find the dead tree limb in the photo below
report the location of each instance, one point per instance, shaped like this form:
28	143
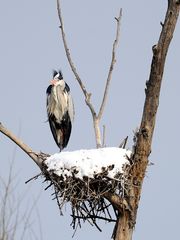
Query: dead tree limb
96	117
73	68
34	156
142	148
113	61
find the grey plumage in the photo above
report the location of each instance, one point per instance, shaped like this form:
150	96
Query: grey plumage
60	109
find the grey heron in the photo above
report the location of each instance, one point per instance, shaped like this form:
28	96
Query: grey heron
60	109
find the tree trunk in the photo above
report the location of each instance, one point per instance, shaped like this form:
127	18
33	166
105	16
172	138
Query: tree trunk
142	148
123	231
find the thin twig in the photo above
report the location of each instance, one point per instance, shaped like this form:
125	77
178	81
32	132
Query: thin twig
123	143
98	217
33	178
73	68
113	61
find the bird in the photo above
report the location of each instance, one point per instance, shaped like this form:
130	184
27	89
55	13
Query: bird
60	109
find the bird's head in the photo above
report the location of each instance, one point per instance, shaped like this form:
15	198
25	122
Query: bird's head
58	79
57	75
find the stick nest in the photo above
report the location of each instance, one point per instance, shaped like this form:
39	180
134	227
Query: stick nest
86	196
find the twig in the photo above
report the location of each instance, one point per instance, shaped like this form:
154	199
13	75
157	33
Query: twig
51	184
33	178
113	61
123	143
92	217
75	229
73	68
22	145
97	217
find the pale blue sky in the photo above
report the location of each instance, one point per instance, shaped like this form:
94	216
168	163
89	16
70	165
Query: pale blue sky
31	47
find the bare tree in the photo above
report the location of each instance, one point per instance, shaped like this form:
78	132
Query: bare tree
125	207
15	222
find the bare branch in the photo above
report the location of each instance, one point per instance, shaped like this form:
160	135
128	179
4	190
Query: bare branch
119	203
104	136
113	61
22	145
13	221
33	178
97	131
123	143
96	217
73	68
96	118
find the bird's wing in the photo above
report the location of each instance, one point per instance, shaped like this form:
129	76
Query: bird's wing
71	111
56	131
66	129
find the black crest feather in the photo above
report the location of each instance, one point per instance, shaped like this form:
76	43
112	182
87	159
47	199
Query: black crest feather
60	74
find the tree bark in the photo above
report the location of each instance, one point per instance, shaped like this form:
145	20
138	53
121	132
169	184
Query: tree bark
142	148
123	231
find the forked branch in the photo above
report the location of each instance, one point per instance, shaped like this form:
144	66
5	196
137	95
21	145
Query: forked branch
96	117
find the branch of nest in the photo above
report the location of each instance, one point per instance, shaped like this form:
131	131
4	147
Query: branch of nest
91	199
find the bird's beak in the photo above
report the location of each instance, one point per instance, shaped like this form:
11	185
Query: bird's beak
53	82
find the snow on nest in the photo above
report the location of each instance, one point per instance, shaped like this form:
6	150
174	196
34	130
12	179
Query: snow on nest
86	163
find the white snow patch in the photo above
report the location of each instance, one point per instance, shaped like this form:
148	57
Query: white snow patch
88	162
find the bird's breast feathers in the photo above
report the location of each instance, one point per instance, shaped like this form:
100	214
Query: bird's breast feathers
58	103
